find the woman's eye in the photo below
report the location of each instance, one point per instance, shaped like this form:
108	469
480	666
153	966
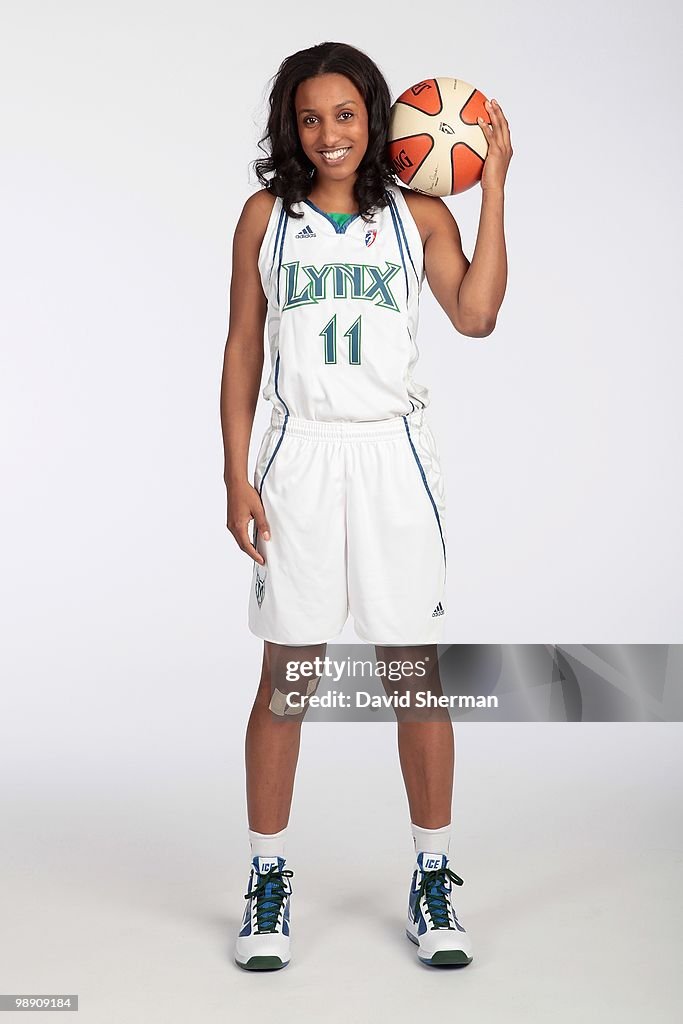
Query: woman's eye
345	114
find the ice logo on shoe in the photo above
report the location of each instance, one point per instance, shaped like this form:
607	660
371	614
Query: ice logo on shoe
265	864
260	582
432	862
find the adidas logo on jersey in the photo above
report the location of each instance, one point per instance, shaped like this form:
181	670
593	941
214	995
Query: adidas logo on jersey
439	610
306	232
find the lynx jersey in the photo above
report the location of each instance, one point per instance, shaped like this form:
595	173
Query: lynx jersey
343	312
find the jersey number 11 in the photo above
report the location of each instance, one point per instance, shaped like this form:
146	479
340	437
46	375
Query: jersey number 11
329	333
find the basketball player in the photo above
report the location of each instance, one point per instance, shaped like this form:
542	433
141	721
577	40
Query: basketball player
348	498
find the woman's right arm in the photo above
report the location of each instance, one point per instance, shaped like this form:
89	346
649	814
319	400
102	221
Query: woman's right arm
242	370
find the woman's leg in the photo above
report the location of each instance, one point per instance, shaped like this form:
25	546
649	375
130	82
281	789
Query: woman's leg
426	752
426	745
273	740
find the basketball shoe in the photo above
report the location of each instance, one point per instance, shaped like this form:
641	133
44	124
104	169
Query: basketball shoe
432	922
263	941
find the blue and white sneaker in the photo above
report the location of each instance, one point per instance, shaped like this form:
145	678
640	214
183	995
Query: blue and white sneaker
263	941
432	922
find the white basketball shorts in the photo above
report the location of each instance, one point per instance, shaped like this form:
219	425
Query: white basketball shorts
357	524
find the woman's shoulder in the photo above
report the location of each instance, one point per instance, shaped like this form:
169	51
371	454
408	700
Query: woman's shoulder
252	225
253	221
425	210
258	208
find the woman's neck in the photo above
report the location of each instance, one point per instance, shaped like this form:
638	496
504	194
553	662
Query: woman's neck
333	200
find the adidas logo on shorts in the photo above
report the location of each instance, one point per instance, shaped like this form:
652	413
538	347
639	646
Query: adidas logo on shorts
306	232
438	610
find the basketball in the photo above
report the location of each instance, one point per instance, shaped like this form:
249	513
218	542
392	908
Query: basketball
435	144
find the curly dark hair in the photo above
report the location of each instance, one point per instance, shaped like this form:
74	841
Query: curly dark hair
291	169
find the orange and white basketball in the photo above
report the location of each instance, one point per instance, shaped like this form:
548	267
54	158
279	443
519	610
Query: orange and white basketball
436	145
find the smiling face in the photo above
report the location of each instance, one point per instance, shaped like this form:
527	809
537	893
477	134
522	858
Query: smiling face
332	118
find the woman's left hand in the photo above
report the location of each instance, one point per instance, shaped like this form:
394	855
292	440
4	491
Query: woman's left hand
500	149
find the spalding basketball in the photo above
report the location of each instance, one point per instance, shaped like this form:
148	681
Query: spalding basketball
436	145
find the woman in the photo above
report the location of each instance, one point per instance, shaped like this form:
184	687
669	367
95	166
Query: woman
348	502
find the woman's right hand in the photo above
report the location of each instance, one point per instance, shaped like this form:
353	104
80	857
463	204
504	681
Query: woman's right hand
244	504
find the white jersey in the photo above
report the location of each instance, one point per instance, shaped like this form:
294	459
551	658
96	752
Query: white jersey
343	312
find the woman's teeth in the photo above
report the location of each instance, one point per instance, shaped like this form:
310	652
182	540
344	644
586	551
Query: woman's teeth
336	154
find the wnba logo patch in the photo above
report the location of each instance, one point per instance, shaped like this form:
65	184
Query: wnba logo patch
260	582
370	236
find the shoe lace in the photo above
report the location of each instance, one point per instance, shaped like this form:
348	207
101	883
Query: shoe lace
269	892
437	895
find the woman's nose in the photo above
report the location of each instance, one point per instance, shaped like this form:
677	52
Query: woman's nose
329	136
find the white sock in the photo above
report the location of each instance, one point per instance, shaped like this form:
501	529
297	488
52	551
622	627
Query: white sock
268	845
431	840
